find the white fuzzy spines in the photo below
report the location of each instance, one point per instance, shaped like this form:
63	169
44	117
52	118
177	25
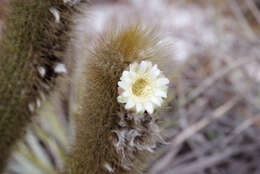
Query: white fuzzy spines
137	134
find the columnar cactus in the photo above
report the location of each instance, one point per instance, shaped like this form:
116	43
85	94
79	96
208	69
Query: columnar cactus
113	136
34	38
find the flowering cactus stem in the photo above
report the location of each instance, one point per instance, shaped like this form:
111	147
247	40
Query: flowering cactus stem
110	137
34	37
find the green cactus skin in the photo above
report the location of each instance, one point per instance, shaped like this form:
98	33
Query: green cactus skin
32	44
98	115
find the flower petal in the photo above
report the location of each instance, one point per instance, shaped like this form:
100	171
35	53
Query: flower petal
143	67
156	100
132	75
126	78
125	74
160	93
149	107
149	64
162	81
130	104
155	71
123	84
121	99
133	67
126	93
139	108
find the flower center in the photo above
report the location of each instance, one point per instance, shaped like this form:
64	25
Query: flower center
140	87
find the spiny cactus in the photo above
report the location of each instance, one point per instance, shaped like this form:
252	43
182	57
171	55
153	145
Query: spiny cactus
31	51
110	139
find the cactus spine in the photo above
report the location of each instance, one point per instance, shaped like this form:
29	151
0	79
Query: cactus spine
35	36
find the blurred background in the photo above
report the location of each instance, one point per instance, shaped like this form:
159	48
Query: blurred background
212	122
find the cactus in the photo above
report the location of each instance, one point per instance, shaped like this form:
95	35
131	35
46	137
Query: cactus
31	49
108	138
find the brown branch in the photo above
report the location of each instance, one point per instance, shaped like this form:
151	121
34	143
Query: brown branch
215	77
251	5
190	131
205	162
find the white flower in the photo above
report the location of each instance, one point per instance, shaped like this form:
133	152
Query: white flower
142	88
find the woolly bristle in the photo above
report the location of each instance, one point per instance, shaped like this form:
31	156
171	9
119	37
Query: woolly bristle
32	45
137	137
104	142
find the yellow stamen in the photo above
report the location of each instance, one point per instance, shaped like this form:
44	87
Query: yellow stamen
138	87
